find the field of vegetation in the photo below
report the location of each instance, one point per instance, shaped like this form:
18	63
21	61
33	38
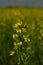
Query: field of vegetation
21	36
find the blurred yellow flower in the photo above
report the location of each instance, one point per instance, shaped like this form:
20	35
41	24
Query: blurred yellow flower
19	43
41	31
25	38
14	43
24	29
19	23
15	35
28	39
16	25
18	30
11	53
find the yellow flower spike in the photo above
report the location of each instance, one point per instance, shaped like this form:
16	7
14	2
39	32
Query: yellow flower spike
11	53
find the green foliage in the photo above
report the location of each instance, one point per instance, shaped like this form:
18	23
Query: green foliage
21	40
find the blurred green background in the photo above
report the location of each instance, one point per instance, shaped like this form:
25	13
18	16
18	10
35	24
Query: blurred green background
29	53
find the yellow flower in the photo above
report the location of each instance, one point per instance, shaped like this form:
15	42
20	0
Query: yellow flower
24	29
19	23
19	43
15	47
42	34
18	30
25	38
41	31
15	43
28	39
15	35
11	53
16	25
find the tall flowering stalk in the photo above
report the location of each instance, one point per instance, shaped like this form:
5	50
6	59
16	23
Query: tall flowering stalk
21	42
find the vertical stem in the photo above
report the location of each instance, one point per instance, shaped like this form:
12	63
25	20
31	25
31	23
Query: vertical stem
19	56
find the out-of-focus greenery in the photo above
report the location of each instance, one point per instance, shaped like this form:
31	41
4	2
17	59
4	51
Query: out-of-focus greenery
21	36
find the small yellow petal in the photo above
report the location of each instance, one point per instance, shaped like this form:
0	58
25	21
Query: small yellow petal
11	53
28	39
15	43
19	43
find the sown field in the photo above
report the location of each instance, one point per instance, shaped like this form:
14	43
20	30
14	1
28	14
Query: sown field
21	36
